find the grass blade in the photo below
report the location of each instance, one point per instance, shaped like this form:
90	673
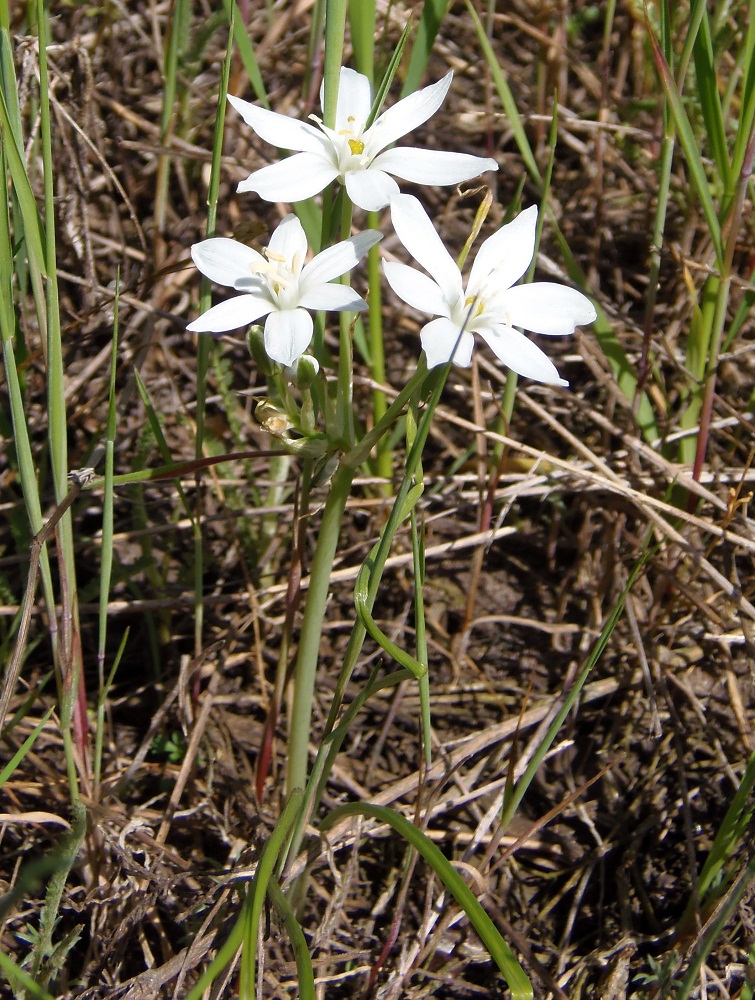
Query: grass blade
500	952
689	143
433	12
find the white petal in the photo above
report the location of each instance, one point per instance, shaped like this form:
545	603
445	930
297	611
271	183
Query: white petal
287	335
280	130
442	340
337	260
406	115
431	166
370	189
417	233
231	314
289	242
354	100
547	307
225	261
521	355
416	289
508	253
293	179
332	298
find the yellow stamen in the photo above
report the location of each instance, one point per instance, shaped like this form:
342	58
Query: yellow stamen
356	146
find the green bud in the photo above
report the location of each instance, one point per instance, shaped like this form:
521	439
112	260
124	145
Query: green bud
303	371
255	342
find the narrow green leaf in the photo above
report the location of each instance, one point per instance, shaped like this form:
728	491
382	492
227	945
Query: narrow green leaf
246	51
689	144
433	13
706	82
362	24
512	801
500	952
17	977
305	979
262	879
506	97
25	747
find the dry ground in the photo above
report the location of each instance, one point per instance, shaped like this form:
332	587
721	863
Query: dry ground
590	883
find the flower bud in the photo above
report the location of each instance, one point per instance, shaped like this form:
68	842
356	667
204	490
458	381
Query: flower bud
255	342
303	371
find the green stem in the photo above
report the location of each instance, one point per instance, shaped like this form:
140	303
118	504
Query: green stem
345	396
377	351
335	30
311	630
70	660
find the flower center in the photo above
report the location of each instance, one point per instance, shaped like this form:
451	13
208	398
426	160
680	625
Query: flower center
351	154
282	277
470	301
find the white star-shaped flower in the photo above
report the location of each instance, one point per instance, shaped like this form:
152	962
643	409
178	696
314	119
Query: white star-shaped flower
489	305
356	155
280	285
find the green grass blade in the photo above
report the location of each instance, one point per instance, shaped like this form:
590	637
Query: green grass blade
716	930
500	952
73	723
175	46
362	24
205	344
433	12
260	886
730	837
19	979
710	99
689	143
420	631
513	800
507	98
305	979
25	747
335	31
747	114
362	588
106	562
30	219
246	51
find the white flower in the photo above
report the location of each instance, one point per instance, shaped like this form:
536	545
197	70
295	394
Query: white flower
279	285
489	305
356	155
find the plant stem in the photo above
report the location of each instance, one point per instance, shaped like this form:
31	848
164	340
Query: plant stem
311	631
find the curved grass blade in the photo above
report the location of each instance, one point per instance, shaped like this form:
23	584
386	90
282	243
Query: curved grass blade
256	898
498	949
305	974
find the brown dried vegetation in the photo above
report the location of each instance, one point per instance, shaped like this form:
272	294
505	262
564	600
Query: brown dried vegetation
590	882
